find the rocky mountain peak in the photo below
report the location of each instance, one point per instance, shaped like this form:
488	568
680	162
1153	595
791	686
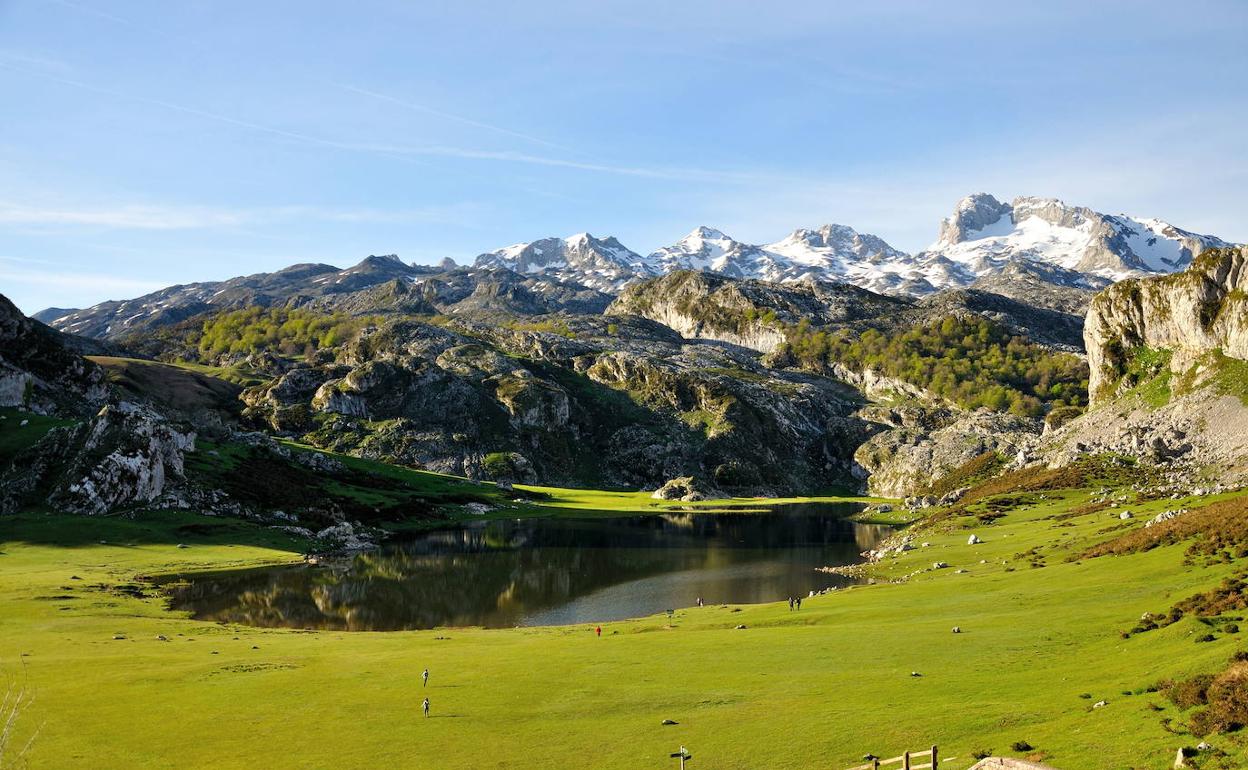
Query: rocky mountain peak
385	262
842	240
972	214
983	235
599	263
704	233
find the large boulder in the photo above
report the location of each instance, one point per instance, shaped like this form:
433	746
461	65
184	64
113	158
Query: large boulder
686	489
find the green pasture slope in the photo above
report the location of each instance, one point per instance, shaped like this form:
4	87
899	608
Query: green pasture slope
81	631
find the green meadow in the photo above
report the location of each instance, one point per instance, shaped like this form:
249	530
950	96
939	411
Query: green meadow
120	681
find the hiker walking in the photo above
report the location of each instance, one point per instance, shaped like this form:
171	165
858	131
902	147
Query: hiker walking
790	604
424	678
799	602
425	707
598	630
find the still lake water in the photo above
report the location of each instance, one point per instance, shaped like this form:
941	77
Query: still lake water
535	572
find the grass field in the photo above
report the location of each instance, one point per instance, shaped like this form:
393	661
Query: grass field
815	688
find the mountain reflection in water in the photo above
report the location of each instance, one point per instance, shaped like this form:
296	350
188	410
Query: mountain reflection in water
546	572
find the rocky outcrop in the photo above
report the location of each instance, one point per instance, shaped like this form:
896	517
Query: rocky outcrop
686	489
1198	433
1166	386
752	314
616	400
39	373
972	214
126	455
1191	313
920	444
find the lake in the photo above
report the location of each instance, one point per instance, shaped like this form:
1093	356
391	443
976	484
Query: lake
532	572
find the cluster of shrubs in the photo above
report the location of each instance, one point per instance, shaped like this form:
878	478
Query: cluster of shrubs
279	330
1218	533
970	361
1222	699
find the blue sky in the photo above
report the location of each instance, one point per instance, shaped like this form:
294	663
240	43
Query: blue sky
151	143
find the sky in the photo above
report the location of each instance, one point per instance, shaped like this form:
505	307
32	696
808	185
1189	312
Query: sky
148	143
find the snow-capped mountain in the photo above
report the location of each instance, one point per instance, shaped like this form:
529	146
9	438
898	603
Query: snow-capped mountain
599	263
1020	249
828	253
980	239
705	249
984	234
840	253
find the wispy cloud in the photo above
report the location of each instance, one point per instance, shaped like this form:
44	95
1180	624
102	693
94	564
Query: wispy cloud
414	152
37	60
94	12
451	116
672	173
168	217
127	217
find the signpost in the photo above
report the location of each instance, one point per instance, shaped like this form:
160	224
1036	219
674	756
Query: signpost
683	755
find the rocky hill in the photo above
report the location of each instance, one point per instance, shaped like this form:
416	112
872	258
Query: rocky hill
749	313
571	400
375	285
1189	314
1169	379
510	372
40	372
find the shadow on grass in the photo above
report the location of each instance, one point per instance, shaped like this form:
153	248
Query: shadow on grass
140	528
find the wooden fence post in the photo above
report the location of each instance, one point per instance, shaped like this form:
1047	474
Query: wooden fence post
905	761
934	765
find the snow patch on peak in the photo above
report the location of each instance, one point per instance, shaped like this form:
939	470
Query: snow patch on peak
704	233
604	264
984	234
975	213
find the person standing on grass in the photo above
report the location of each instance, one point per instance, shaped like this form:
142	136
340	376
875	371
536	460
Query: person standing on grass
425	707
799	602
424	678
598	630
790	604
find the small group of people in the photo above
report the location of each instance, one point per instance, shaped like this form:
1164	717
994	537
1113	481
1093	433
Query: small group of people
795	603
424	682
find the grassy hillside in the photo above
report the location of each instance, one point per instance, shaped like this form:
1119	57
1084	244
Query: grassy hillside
1042	641
176	388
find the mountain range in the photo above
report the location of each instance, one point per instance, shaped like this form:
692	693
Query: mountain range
980	238
1038	246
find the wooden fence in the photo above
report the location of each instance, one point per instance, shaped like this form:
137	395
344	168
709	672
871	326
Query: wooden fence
906	761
